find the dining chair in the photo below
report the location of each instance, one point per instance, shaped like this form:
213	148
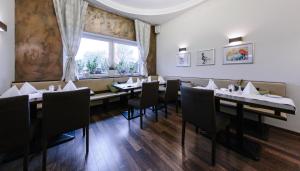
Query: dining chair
149	98
15	129
170	95
198	108
64	112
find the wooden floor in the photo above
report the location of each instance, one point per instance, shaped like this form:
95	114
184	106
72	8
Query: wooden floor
116	144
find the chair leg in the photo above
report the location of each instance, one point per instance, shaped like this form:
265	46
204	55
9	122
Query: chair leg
83	131
213	151
145	111
141	119
25	159
87	139
156	113
166	110
129	112
44	165
177	106
183	133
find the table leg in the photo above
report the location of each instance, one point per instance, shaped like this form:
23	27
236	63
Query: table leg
238	142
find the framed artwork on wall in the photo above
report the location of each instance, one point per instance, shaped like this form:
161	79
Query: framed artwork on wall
183	59
205	57
239	54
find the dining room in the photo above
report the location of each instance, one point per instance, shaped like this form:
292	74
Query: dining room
149	85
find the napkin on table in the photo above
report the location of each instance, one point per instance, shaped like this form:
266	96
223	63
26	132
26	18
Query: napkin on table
138	81
11	92
250	90
27	89
211	85
149	78
70	86
129	81
161	79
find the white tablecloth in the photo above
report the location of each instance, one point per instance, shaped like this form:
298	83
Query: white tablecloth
279	100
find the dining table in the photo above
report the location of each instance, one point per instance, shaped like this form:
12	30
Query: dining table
130	88
239	143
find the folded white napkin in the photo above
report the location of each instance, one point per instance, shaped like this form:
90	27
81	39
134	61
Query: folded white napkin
138	81
149	78
250	90
211	85
161	79
11	92
70	86
130	80
27	89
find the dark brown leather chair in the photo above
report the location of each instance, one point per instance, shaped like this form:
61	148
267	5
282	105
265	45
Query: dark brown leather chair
64	112
198	108
170	95
15	125
149	98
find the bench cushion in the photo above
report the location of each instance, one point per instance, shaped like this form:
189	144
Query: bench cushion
42	84
96	85
106	95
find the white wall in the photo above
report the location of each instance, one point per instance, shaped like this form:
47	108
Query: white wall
273	25
7	44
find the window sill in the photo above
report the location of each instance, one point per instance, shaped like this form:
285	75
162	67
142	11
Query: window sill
103	76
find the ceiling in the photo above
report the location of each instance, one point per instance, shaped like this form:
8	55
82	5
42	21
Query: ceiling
152	11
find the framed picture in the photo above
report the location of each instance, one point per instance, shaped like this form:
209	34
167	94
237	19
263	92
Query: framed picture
206	57
239	54
183	59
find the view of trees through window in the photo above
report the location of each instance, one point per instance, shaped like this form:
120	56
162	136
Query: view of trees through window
96	57
126	58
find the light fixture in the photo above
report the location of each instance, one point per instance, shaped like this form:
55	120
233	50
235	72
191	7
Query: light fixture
3	26
236	39
182	49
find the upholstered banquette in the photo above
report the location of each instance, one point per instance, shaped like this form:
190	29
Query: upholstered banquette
98	86
102	92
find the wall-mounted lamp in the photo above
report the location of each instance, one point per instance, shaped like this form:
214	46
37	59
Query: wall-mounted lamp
235	40
3	26
182	49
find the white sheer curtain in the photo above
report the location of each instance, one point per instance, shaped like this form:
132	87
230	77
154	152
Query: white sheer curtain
70	15
143	39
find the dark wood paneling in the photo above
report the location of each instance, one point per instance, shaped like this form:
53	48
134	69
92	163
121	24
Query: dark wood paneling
151	61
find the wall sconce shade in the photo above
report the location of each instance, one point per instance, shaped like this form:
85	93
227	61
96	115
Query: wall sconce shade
182	49
237	39
3	26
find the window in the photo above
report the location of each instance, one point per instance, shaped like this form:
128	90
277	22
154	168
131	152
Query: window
97	54
126	58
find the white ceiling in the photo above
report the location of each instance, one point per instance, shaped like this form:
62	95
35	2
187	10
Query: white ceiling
150	4
152	11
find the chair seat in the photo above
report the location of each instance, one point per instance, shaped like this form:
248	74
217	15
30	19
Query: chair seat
102	96
135	103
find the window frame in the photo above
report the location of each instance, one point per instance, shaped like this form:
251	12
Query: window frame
111	40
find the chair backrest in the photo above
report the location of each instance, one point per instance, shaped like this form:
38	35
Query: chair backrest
172	90
65	111
198	108
14	122
149	94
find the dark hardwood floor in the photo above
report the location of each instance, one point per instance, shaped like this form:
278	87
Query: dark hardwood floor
116	144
